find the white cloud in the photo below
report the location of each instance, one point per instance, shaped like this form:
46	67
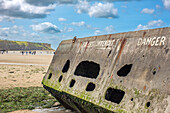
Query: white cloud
82	23
103	10
31	9
124	6
70	29
158	6
66	29
16	33
35	35
110	29
45	27
62	19
40	2
91	27
14	30
151	24
113	0
155	23
166	4
4	32
21	9
48	2
98	10
147	11
66	1
97	32
6	18
82	6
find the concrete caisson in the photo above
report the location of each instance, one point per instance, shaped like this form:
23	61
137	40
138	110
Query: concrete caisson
123	73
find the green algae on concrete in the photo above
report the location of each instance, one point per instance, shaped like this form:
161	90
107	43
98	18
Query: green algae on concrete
24	98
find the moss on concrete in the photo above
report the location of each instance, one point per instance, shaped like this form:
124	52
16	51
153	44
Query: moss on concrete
24	98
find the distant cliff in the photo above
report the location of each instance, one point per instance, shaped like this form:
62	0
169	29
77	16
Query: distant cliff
22	45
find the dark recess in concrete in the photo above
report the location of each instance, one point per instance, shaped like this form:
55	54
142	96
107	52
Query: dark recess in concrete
72	83
66	66
90	87
87	69
109	53
154	71
114	95
50	75
148	104
60	78
124	71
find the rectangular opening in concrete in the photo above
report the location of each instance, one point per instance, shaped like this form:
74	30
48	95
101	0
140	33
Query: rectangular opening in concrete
90	87
114	95
87	69
124	71
60	78
66	66
72	83
50	75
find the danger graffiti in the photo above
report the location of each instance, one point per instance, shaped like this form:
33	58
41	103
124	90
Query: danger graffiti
155	41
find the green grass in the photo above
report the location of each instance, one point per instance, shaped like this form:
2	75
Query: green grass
21	43
28	44
24	98
42	46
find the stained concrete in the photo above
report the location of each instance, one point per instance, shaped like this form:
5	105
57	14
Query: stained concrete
131	71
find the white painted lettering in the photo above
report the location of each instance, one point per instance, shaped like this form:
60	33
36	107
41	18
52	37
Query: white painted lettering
157	40
99	43
153	41
162	42
149	40
139	42
144	40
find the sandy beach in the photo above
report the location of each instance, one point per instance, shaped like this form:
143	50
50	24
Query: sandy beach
23	111
26	59
21	75
23	71
18	75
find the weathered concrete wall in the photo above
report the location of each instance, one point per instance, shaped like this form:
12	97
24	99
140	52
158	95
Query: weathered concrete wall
123	72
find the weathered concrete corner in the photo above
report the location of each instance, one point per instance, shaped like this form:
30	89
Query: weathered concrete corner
122	73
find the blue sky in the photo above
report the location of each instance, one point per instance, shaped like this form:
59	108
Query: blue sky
51	21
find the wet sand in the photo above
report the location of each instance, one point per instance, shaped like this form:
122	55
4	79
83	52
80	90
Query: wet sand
48	110
23	111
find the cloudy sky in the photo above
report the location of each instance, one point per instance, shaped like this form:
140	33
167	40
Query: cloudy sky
51	21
